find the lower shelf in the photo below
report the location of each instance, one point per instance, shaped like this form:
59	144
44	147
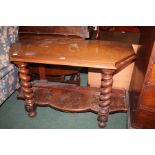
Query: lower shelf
76	99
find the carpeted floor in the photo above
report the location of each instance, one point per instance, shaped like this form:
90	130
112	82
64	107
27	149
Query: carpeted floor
13	116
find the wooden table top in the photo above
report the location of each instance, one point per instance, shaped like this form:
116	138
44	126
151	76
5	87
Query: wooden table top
72	52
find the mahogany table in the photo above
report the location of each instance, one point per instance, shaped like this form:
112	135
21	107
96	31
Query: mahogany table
110	57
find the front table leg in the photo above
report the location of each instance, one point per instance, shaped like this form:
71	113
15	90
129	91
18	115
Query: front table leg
27	90
105	97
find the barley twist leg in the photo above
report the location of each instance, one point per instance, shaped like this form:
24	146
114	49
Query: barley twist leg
27	90
105	97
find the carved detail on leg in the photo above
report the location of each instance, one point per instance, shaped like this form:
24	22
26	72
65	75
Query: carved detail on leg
27	89
105	97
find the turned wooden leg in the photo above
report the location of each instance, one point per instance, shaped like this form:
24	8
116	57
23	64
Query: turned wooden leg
105	97
26	88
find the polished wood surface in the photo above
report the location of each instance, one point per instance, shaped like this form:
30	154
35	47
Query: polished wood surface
152	77
144	119
87	53
148	98
142	90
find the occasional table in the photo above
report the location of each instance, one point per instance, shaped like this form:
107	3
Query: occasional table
109	57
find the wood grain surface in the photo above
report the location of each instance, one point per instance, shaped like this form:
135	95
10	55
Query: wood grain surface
87	53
